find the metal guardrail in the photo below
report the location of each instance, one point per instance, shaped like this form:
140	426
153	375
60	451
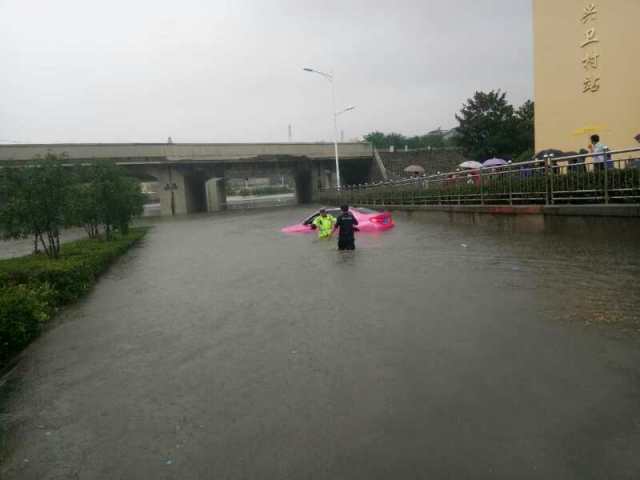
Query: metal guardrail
611	177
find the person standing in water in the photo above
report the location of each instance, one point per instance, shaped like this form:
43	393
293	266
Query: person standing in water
324	224
347	224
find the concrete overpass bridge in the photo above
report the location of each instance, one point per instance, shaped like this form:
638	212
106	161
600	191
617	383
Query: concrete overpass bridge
192	175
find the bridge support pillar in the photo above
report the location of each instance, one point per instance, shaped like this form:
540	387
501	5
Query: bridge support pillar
216	194
304	183
172	191
181	192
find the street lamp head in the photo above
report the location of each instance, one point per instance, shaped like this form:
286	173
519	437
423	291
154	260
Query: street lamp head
348	109
328	76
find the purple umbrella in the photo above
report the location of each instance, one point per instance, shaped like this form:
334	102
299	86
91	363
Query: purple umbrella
494	162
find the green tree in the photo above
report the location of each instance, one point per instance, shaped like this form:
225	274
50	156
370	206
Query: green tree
525	116
377	139
35	202
384	141
85	202
113	198
131	203
488	126
43	197
430	140
397	140
104	196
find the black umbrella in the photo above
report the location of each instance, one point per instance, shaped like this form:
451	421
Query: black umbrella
542	153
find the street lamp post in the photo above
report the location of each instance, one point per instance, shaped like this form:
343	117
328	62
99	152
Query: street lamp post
329	77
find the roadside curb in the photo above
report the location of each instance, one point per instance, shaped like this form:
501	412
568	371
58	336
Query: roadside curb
551	210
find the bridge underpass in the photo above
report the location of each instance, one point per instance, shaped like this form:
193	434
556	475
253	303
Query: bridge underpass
192	177
192	188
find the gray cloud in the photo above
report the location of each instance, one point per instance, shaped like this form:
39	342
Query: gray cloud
143	70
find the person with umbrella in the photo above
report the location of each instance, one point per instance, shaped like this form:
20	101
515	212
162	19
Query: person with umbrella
473	169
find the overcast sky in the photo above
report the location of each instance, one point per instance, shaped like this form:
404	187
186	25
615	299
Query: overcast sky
231	71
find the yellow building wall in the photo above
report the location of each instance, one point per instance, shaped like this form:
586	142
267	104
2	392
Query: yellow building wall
567	112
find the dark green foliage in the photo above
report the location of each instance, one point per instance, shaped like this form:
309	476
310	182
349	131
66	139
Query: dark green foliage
32	287
525	134
377	139
36	203
105	196
491	127
42	198
85	204
74	272
525	156
23	310
398	141
487	126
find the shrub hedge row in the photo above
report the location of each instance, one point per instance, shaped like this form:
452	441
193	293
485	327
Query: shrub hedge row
34	286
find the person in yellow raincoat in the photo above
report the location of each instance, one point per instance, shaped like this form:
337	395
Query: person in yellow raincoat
324	224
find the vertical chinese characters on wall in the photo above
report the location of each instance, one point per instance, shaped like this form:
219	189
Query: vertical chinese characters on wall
590	49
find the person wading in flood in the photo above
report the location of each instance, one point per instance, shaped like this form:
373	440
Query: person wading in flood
347	224
324	224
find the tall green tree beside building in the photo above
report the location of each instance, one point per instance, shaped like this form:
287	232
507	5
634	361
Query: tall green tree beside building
491	127
525	116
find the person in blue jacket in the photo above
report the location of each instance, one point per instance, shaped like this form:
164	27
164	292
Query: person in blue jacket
348	225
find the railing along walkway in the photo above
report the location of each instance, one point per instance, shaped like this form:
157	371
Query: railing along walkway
612	177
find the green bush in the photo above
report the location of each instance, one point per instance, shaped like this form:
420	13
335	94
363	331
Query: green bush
74	272
69	278
32	287
23	310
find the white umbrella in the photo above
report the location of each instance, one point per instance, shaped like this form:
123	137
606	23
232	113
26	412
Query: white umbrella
414	169
470	164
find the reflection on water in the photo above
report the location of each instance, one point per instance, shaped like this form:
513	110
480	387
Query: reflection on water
231	350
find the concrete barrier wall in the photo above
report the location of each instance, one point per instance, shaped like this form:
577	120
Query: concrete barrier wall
435	160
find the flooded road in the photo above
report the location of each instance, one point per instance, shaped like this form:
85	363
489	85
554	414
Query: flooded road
222	349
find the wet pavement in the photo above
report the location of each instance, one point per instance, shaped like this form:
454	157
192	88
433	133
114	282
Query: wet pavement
222	349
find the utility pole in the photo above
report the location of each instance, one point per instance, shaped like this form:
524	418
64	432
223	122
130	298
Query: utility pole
329	77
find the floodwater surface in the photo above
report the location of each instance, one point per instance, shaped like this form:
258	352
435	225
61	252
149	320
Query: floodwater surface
221	348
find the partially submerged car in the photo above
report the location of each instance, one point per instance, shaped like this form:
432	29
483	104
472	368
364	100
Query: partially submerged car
369	221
